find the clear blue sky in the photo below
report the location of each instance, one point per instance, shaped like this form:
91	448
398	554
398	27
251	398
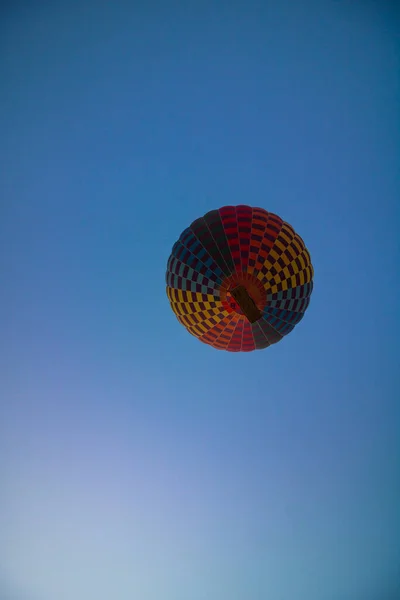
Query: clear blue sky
136	462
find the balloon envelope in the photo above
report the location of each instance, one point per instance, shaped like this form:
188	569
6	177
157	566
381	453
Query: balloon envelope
239	278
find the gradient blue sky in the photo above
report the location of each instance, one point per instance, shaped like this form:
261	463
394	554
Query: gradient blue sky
136	462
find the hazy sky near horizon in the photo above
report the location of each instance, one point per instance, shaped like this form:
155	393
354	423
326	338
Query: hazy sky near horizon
136	462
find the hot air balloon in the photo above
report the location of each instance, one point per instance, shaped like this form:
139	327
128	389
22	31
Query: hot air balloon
239	278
